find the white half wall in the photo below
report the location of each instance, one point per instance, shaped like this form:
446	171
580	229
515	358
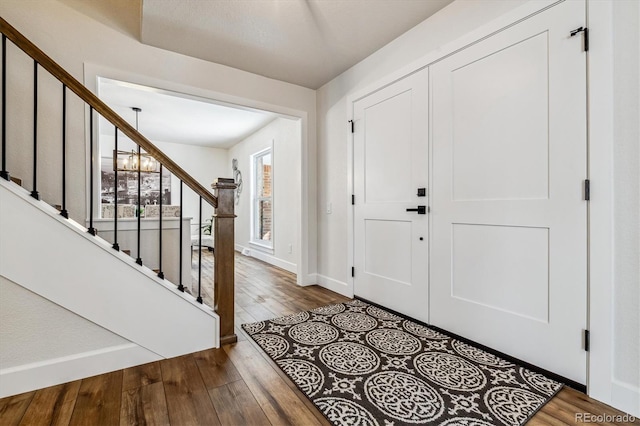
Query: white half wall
284	135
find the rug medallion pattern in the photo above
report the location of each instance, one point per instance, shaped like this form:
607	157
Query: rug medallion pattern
362	365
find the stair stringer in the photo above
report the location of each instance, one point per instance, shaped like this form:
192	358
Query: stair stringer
57	259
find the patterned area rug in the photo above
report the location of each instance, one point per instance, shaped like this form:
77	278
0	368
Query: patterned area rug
361	365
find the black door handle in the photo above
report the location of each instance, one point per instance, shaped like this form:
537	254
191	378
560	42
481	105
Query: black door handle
420	210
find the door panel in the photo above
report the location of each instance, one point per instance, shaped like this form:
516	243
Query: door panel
390	164
509	161
388	236
508	264
386	122
502	267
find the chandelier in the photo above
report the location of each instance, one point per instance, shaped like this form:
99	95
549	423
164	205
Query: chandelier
131	161
125	161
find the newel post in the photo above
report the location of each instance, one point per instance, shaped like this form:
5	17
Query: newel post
224	264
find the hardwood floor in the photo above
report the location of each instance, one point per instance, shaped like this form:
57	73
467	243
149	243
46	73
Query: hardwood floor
233	385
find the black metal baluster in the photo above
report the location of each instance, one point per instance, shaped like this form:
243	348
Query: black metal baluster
160	273
34	193
64	213
139	259
180	286
115	245
91	229
199	299
4	173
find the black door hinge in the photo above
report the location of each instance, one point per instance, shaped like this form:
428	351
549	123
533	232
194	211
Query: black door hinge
353	271
587	190
352	127
353	200
587	342
585	32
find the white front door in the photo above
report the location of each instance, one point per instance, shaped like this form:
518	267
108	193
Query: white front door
390	165
509	219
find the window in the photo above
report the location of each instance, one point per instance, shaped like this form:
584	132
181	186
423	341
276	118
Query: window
262	206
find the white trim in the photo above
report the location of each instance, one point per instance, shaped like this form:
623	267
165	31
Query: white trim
38	375
261	247
260	244
626	397
312	279
268	258
600	167
339	287
307	221
351	190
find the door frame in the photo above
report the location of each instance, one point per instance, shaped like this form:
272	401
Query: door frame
599	170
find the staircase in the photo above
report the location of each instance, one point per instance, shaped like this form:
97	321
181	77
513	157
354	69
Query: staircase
115	310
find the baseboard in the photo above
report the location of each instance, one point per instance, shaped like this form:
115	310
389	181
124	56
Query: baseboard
38	375
625	397
272	260
310	279
339	287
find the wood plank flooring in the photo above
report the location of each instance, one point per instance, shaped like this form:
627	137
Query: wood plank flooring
233	385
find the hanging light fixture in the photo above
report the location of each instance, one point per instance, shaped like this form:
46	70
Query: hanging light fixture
127	161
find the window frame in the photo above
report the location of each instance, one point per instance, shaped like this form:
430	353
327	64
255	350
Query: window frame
265	245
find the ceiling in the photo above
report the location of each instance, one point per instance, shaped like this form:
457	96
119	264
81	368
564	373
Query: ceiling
172	117
304	42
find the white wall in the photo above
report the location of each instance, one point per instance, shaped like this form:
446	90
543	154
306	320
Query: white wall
78	42
284	135
626	116
203	163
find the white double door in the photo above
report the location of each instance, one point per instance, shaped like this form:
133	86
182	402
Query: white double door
506	124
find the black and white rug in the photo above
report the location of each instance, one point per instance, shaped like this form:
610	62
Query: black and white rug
362	365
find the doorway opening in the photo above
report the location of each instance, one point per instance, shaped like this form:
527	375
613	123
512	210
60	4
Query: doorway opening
209	139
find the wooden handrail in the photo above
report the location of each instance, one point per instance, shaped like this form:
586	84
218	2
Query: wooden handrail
86	95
